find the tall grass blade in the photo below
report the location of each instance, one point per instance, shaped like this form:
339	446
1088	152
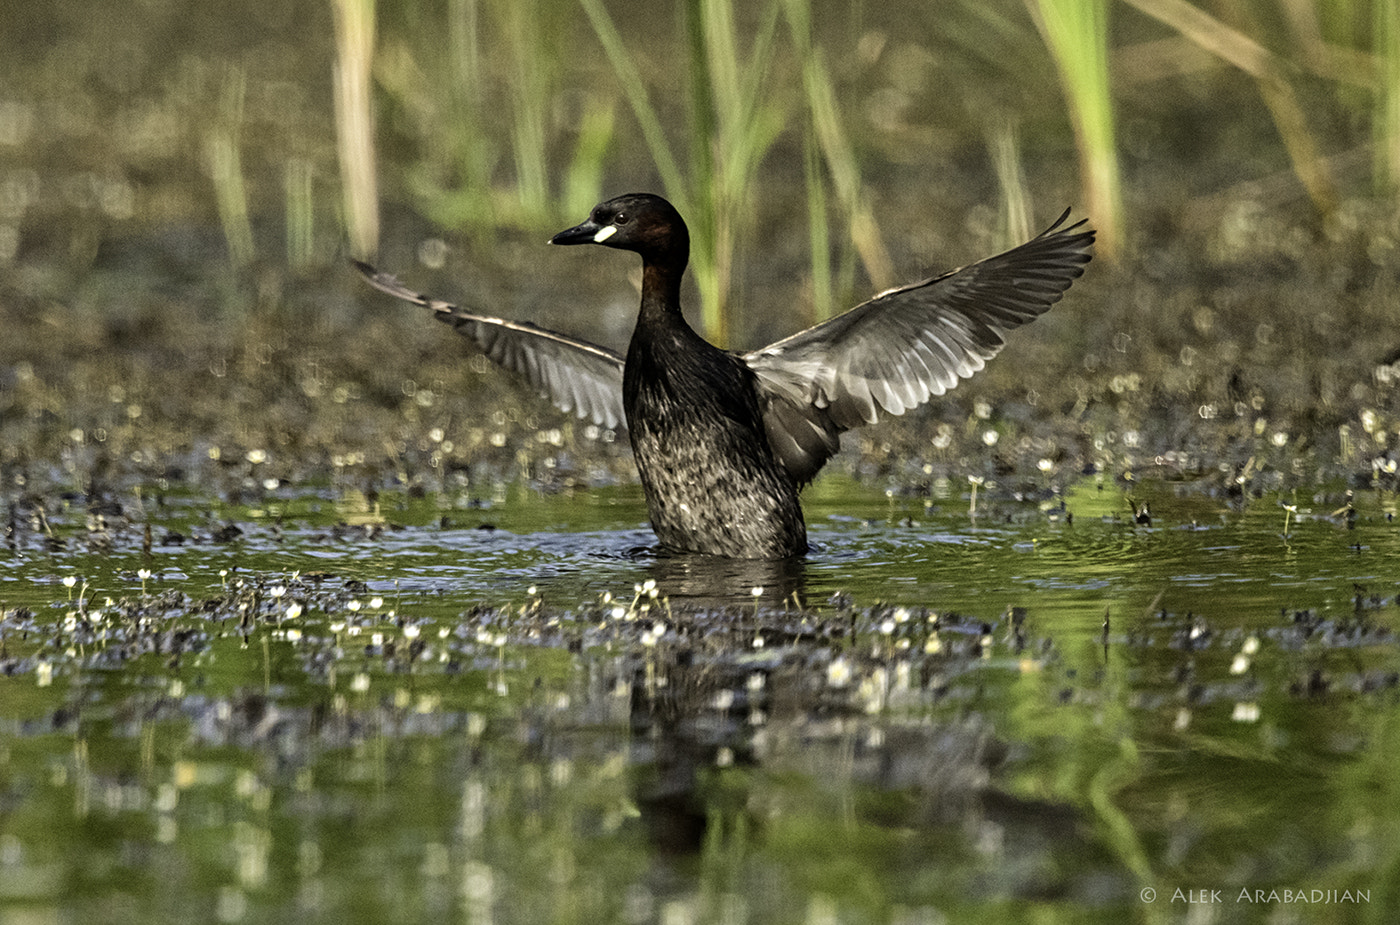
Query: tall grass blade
818	229
634	88
1386	124
1076	32
301	212
1004	146
530	88
354	32
221	146
837	150
732	123
583	182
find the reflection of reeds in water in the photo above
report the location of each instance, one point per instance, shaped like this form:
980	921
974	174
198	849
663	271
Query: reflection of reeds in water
354	31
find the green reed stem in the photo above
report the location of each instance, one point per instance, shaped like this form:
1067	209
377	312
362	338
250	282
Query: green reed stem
583	182
301	212
354	32
733	120
530	88
1386	123
1003	144
1076	32
226	169
837	151
634	88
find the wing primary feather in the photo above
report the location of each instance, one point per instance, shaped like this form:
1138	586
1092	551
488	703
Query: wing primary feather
574	375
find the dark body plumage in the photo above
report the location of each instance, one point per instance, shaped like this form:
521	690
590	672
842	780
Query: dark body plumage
724	442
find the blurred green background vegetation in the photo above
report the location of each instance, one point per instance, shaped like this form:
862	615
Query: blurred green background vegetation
478	116
184	180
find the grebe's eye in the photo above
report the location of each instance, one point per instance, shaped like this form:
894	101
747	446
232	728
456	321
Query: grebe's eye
620	219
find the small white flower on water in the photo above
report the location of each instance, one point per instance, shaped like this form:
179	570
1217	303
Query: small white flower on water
990	437
758	642
756	591
353	606
276	591
1251	645
838	673
69	581
271	483
1045	465
1245	712
377	639
360	683
43	674
500	641
1240	665
293	610
411	631
901	615
376	602
293	635
257	456
887	628
618	612
532	591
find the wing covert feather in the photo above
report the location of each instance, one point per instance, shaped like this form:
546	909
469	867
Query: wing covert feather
906	345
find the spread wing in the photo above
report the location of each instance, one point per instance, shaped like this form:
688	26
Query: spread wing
574	375
906	345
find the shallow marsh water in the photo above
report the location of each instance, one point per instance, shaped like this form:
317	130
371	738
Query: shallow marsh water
424	715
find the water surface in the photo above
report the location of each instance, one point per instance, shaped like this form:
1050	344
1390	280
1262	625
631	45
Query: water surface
517	711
